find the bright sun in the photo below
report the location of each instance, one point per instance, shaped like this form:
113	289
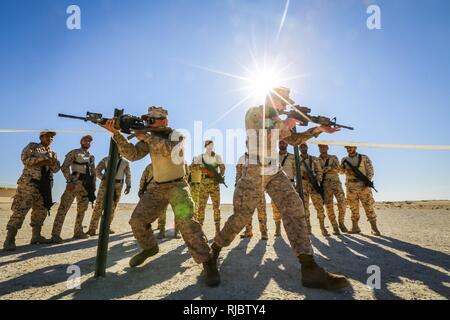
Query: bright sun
262	82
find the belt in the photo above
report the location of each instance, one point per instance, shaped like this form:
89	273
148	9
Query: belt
176	180
195	182
119	181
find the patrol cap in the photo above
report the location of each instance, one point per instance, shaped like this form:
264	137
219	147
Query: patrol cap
88	137
208	142
282	93
44	132
156	113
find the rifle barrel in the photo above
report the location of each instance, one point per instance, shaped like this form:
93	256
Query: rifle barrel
71	117
345	127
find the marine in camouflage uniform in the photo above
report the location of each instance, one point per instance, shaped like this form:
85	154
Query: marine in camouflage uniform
287	162
195	180
123	174
312	164
357	191
209	187
169	185
38	159
264	129
144	184
260	207
79	170
332	186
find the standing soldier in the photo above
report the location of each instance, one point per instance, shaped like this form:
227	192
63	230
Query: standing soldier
123	174
79	170
287	162
210	186
33	190
195	180
144	184
264	127
260	207
356	165
332	186
311	179
169	185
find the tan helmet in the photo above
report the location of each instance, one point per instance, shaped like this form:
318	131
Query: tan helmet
156	113
282	93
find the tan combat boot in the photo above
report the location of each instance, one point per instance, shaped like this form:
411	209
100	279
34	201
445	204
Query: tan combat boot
36	237
161	234
355	228
57	239
142	256
336	231
10	241
91	232
247	233
176	234
323	229
278	229
264	235
212	275
343	227
375	230
316	277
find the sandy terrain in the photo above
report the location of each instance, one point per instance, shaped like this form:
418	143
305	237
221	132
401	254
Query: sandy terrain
413	254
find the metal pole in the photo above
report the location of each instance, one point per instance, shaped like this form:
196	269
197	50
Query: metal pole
298	171
102	249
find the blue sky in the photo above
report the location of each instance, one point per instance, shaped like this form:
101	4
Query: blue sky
391	84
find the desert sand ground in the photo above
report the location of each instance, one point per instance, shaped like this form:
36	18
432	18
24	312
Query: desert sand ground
413	254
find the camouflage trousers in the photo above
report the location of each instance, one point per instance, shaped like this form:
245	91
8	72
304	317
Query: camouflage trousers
163	218
67	198
208	188
98	208
275	212
262	217
153	204
248	193
357	193
310	193
195	192
27	197
333	188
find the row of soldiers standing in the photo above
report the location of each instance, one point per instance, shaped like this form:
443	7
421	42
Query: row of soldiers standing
80	172
321	185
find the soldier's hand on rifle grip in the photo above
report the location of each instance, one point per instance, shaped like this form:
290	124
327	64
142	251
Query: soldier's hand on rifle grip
127	190
326	129
110	125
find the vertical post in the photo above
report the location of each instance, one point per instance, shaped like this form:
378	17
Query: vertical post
298	171
102	249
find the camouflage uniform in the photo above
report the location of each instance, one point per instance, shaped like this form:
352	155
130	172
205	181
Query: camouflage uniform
287	162
27	194
332	186
168	186
123	174
356	190
195	184
264	174
209	187
309	191
75	165
260	207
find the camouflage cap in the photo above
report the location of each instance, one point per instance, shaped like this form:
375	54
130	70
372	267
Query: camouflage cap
282	93
157	112
44	132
